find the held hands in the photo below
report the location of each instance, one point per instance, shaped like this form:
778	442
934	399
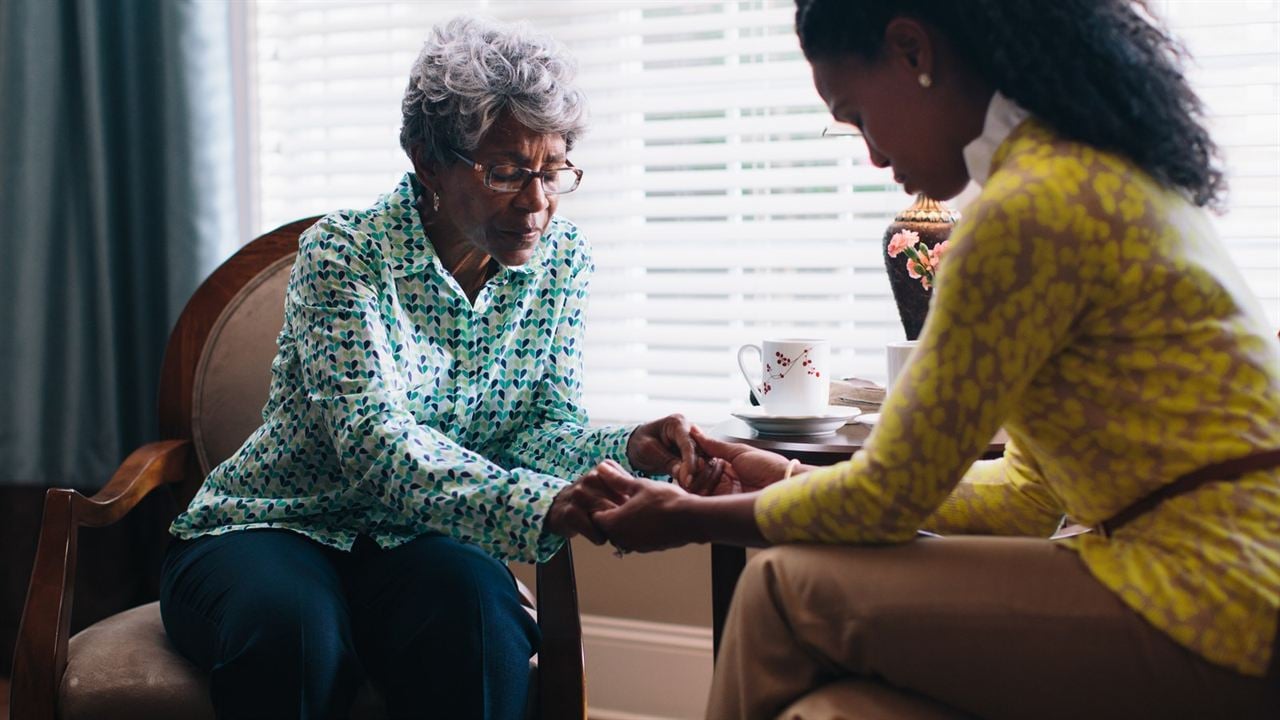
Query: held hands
651	519
699	464
609	505
584	508
742	468
606	486
664	447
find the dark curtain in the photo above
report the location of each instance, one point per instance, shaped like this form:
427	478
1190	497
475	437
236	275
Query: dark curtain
117	197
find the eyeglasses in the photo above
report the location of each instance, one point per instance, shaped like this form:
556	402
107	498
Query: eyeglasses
838	129
507	178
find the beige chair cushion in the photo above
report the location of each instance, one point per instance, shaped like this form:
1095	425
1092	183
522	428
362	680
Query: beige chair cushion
855	699
123	668
233	376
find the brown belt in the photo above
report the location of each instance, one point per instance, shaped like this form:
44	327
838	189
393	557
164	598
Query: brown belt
1225	470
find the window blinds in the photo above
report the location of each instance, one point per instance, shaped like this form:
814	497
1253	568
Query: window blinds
718	213
1235	46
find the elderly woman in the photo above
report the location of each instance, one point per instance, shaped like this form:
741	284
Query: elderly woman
424	414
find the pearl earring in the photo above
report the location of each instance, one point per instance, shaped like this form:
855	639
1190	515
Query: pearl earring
435	201
925	80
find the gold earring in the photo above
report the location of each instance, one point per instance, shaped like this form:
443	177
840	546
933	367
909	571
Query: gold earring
925	80
435	202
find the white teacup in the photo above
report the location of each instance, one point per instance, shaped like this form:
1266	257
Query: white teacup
795	377
897	354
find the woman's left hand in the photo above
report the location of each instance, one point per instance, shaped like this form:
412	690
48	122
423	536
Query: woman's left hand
647	521
664	447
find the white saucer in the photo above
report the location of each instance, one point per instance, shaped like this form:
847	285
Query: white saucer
868	418
824	423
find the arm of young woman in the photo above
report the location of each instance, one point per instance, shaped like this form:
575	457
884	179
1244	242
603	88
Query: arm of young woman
999	497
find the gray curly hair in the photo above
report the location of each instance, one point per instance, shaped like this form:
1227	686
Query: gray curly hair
471	70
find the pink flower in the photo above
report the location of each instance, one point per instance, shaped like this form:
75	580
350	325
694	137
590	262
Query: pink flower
916	268
936	253
921	268
902	240
923	260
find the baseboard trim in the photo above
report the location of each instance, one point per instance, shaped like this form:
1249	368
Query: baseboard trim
640	670
596	714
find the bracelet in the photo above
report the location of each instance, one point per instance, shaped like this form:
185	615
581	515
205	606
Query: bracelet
791	466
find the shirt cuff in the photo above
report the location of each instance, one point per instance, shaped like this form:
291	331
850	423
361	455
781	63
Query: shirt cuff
614	444
541	544
619	436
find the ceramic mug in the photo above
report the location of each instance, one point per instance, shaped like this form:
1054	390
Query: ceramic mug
794	377
897	354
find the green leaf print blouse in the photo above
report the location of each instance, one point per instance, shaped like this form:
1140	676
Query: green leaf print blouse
399	408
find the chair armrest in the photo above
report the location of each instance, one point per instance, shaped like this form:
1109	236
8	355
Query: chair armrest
40	656
148	467
561	679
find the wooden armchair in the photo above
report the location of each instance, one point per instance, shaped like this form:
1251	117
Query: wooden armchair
213	385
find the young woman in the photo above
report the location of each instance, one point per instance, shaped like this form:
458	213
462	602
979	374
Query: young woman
1087	307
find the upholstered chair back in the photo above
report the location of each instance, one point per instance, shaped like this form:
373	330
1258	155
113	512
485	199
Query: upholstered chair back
233	373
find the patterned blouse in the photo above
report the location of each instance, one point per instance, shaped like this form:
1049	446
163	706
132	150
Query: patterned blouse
1095	316
399	408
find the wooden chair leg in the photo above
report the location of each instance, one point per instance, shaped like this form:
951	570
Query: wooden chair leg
41	653
562	690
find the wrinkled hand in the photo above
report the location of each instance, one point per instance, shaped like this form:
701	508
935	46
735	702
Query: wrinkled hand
664	447
648	520
606	486
746	469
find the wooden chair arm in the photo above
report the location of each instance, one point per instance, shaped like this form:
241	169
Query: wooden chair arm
40	656
148	467
561	678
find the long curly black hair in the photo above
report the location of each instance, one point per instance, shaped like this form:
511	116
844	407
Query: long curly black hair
1097	71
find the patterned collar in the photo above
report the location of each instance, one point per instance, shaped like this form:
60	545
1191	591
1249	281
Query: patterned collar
410	252
1003	115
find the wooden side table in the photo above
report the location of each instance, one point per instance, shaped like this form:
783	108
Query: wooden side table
727	561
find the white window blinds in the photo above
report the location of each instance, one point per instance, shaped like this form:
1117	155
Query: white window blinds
1235	46
718	213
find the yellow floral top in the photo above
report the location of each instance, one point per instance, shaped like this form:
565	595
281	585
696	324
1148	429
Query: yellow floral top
1095	316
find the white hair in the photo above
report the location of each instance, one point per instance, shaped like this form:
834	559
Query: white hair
471	70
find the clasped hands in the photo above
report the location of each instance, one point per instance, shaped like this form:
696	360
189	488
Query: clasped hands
608	504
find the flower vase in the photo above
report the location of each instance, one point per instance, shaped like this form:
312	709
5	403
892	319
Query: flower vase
932	220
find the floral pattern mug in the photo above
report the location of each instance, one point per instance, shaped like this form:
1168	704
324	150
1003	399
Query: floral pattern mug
795	377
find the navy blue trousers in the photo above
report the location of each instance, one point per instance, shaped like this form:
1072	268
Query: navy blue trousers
289	628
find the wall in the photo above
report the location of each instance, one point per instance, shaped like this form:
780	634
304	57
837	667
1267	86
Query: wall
646	630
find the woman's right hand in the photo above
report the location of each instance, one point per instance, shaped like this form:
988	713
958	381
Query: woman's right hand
746	468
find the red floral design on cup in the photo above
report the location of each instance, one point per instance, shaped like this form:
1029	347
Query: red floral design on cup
786	365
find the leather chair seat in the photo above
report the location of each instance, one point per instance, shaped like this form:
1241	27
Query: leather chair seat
124	668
